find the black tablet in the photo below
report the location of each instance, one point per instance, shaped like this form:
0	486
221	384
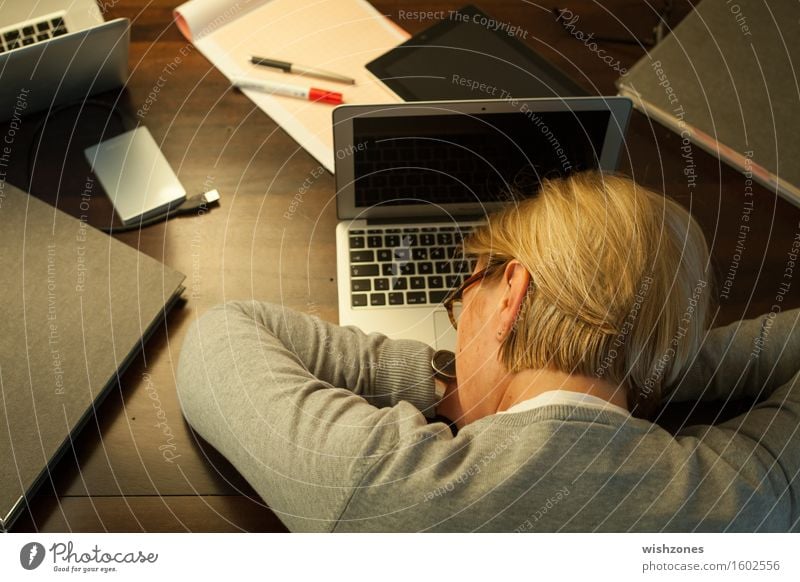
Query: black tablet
470	55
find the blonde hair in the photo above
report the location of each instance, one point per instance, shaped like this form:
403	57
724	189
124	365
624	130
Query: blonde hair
619	286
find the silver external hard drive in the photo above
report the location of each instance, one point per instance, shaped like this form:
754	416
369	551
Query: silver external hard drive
135	175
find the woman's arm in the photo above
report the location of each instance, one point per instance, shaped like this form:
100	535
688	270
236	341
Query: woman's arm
259	382
746	359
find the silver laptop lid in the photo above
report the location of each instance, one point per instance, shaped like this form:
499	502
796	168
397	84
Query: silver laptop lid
463	158
63	69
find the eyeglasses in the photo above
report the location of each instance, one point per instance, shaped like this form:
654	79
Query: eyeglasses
454	304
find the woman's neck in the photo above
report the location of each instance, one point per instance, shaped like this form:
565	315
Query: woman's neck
528	384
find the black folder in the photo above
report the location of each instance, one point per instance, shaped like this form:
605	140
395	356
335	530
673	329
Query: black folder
75	308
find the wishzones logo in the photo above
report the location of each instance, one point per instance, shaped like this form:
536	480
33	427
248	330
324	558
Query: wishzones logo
31	555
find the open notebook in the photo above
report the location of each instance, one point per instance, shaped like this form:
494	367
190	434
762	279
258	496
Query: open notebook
336	35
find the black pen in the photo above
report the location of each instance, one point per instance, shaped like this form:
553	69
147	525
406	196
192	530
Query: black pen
301	70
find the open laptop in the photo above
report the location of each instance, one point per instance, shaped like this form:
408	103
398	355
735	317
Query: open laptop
57	51
413	179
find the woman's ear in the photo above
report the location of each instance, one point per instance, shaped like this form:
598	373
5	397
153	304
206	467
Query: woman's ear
516	280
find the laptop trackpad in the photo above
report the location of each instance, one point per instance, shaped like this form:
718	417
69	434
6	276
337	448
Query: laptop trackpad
445	334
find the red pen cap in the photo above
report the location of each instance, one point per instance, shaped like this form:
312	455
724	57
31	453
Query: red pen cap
325	96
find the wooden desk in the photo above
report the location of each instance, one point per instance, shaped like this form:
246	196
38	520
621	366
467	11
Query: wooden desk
115	477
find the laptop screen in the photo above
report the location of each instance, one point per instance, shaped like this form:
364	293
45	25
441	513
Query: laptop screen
451	159
445	159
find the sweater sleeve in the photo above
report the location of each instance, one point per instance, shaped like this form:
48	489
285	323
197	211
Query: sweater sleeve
300	407
746	359
381	370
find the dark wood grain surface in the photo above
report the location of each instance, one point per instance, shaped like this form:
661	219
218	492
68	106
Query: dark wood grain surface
116	476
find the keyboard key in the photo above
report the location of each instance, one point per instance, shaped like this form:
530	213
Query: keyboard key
392	240
442	267
461	266
396	299
381	284
401	254
42	26
418	282
360	285
429	229
374	241
28	30
453	251
362	256
435	282
14	44
437	254
409	240
11	35
444	238
356	242
2	48
363	270
419	254
437	296
43	36
377	299
390	269
427	240
425	268
384	255
411	230
452	281
407	269
400	283
59	31
416	297
57	22
392	231
374	231
359	300
27	40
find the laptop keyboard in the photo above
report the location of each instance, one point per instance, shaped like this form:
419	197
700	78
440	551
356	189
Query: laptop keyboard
390	267
31	33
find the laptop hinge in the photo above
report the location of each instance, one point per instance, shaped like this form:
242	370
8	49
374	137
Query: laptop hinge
425	219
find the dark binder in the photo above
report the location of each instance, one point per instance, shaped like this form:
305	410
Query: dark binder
77	306
726	80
